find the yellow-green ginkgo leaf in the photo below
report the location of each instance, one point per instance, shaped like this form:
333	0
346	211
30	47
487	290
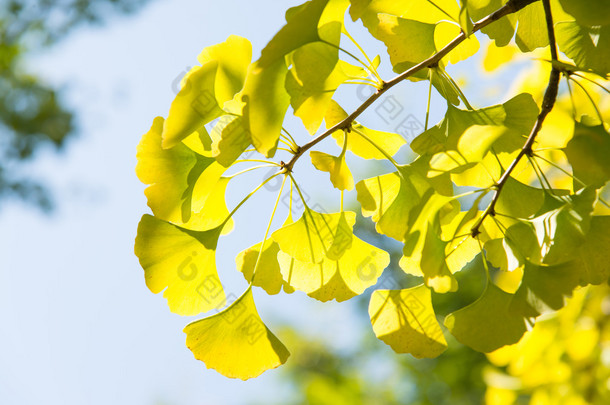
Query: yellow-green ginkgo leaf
234	140
588	152
214	211
267	275
395	32
446	32
487	324
358	145
173	176
340	175
315	235
424	251
233	57
316	74
545	288
181	262
501	31
390	198
356	270
590	13
194	106
594	251
472	147
405	320
235	342
531	29
517	114
519	200
419	10
266	102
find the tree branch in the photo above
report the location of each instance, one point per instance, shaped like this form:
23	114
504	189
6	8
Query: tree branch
548	102
512	6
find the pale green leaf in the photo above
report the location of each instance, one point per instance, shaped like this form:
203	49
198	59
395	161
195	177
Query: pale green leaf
405	320
589	154
587	47
487	324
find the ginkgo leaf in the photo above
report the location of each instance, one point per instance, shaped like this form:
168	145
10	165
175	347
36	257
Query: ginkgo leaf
342	278
473	145
389	199
591	13
518	114
405	320
487	324
233	57
531	29
394	32
340	175
267	275
214	211
588	152
594	252
545	288
266	102
180	180
519	200
358	145
181	262
315	235
194	106
235	342
424	250
445	32
419	10
501	31
316	74
562	230
265	94
234	140
587	47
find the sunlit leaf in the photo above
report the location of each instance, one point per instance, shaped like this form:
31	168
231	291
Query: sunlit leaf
233	57
194	106
341	279
234	140
316	74
588	152
519	200
389	142
181	262
487	324
315	235
545	288
445	32
180	180
340	175
587	47
235	342
405	320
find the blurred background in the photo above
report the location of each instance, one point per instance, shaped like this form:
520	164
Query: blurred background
80	82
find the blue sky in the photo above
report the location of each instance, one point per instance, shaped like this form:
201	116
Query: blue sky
79	325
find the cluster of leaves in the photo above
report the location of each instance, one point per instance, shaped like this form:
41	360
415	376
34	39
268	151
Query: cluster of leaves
527	199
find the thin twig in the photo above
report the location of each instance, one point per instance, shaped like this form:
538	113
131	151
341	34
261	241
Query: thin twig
511	7
548	102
